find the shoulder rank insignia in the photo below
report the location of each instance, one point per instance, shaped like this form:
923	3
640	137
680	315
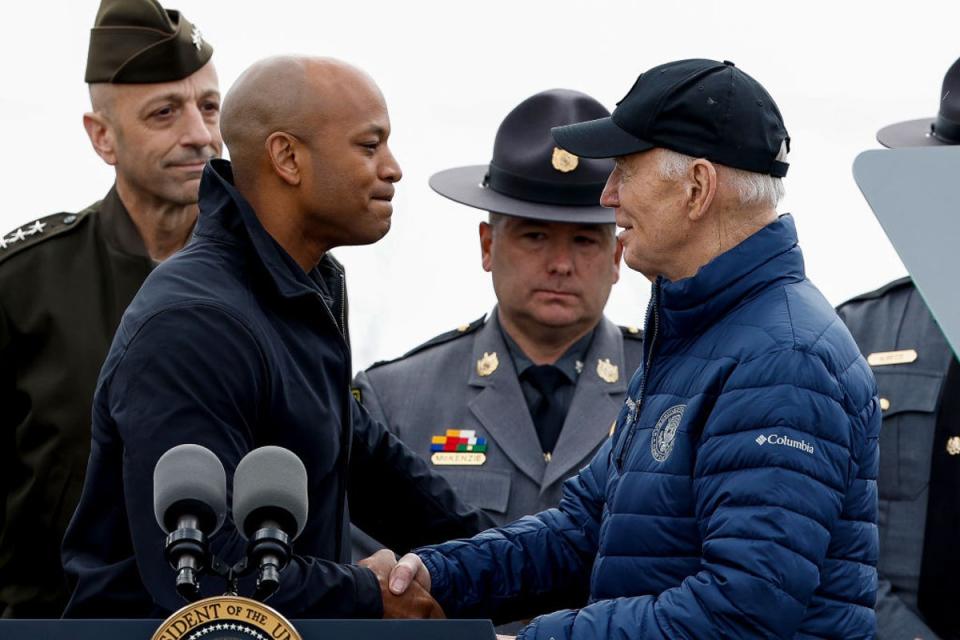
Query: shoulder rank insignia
608	371
885	358
487	364
35	232
458	447
22	234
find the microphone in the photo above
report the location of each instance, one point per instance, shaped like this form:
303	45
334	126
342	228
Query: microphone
270	510
190	504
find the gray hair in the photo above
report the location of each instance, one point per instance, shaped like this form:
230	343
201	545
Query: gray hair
753	189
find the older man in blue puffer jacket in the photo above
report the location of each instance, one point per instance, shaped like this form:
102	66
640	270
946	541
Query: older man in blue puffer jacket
737	496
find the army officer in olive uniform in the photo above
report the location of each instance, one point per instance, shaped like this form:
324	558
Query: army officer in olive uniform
918	379
66	279
509	406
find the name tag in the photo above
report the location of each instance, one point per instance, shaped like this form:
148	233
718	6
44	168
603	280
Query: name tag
885	358
449	457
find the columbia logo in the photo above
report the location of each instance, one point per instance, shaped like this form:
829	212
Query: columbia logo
785	441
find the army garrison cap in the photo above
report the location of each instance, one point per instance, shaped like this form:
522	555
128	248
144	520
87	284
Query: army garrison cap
138	41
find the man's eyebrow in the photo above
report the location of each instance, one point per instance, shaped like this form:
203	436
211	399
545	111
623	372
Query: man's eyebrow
375	129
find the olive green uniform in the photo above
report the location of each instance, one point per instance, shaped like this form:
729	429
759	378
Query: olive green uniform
65	280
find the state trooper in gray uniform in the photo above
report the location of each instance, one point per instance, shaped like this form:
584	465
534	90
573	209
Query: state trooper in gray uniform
510	405
918	379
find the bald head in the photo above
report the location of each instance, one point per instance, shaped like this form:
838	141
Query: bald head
297	95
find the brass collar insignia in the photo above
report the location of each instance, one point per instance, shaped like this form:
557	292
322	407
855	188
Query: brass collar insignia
487	364
953	446
608	371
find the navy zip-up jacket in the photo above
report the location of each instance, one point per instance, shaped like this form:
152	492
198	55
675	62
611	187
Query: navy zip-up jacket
737	498
231	345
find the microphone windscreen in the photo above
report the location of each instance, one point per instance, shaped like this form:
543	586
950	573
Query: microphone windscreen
190	480
270	482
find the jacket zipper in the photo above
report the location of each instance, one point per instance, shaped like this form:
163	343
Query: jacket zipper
628	438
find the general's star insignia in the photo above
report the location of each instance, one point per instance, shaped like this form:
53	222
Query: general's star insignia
17	235
578	366
3	242
197	38
37	227
487	364
608	371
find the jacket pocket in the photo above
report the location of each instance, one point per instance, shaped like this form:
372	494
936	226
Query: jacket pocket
488	489
909	403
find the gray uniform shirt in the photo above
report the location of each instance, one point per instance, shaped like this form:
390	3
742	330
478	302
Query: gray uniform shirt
467	381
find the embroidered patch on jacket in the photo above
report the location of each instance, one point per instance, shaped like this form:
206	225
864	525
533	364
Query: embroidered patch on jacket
665	433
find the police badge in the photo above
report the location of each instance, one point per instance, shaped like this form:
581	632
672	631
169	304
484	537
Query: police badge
665	433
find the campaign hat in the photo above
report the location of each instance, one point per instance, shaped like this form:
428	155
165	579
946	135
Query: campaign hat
933	131
529	175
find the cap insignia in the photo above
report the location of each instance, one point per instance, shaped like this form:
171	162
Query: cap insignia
608	371
564	161
197	38
487	364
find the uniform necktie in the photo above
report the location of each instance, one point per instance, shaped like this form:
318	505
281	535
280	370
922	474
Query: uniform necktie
548	412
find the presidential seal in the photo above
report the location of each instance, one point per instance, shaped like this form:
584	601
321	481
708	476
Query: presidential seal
665	433
226	618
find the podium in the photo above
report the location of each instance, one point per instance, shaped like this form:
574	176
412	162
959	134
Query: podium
308	629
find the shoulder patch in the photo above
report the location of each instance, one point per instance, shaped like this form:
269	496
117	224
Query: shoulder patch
462	330
33	233
882	291
632	332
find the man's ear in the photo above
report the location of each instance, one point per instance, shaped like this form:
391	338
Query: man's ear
617	255
486	240
102	136
286	156
701	189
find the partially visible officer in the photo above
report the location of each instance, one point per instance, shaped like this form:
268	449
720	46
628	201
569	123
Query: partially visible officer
241	340
509	407
65	279
919	384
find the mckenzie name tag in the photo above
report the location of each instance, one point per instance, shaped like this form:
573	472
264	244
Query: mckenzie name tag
884	358
449	457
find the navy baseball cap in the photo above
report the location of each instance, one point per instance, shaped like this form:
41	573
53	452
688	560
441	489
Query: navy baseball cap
701	108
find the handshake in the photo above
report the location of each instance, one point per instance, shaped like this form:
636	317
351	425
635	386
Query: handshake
404	585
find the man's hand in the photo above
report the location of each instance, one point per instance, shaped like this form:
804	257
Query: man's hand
408	602
409	570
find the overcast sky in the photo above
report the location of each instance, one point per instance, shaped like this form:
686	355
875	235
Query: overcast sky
452	70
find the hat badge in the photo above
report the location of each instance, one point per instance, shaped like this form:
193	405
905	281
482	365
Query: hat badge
197	38
487	364
564	161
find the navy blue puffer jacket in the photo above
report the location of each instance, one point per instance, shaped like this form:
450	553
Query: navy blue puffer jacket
737	498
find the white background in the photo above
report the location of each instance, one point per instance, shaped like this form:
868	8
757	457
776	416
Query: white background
451	71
